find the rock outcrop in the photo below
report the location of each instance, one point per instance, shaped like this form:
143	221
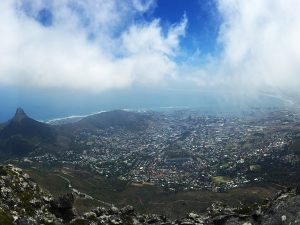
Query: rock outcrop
22	202
63	207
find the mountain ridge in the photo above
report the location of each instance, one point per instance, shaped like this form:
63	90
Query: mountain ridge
115	118
22	135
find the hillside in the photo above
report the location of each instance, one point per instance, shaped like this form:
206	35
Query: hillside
22	202
23	125
117	119
22	134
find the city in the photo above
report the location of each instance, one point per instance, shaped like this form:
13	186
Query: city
183	150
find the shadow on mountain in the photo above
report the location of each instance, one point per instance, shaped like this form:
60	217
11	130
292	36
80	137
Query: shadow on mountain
23	135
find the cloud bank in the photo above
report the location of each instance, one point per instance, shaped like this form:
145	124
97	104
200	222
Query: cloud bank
91	45
260	40
99	45
259	51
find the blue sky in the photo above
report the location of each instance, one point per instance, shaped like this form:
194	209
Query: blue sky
203	21
203	25
66	57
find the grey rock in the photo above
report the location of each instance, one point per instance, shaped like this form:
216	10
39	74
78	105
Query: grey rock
90	216
127	210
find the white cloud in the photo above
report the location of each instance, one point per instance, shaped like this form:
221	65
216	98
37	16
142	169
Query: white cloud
261	43
143	5
148	38
91	45
96	45
260	49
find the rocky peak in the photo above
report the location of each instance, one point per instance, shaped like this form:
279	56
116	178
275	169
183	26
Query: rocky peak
19	115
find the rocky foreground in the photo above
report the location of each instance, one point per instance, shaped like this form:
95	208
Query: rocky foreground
22	202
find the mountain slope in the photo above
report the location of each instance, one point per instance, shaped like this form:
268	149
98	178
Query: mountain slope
21	124
117	119
21	134
22	202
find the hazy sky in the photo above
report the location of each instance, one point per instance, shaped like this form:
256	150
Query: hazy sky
77	56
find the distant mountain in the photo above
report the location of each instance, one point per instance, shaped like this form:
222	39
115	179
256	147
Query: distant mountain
66	120
118	119
22	125
1	126
22	134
